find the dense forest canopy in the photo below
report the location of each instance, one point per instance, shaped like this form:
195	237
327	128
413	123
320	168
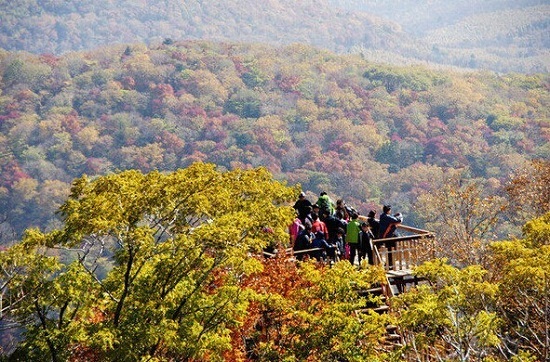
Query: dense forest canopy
166	267
365	132
61	26
494	35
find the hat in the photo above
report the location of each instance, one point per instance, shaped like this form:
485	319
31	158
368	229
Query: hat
302	194
315	206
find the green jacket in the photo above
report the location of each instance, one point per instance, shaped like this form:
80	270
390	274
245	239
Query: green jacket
352	232
325	202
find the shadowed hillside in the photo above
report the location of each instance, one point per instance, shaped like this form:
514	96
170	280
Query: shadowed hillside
494	35
61	26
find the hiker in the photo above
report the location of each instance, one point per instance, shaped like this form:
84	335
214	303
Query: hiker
319	242
303	206
388	226
365	244
333	224
340	217
345	209
315	209
318	225
294	229
340	243
373	223
352	236
388	223
325	202
341	207
303	241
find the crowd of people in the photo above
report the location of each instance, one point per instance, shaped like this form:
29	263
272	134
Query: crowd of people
325	230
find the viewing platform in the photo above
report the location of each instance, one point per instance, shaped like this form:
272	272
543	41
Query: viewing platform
413	247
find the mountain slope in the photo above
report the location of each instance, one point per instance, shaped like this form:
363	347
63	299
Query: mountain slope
500	35
61	26
496	35
368	133
419	17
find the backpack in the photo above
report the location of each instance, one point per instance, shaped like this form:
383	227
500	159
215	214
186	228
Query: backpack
324	204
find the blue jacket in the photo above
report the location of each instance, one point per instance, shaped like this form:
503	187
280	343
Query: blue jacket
388	224
319	242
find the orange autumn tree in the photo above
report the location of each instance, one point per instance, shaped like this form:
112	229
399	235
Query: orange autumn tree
309	312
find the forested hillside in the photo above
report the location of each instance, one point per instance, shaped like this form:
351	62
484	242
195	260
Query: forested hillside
423	16
502	35
62	26
364	132
494	35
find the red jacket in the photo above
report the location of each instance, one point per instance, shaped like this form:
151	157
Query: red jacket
318	225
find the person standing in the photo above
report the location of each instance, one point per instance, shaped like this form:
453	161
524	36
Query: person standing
325	203
324	249
318	225
365	243
352	236
341	207
340	243
303	206
333	224
294	229
388	227
336	232
373	223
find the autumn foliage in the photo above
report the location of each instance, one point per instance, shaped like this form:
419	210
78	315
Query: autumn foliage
368	133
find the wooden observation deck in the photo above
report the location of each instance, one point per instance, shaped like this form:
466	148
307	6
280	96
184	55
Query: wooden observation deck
411	249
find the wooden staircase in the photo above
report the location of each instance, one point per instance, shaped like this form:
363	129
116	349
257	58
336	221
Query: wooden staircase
379	303
407	252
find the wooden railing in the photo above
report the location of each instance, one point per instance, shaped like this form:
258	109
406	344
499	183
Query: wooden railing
293	253
411	249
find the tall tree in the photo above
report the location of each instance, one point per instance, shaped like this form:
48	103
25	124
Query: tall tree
464	217
522	268
500	313
529	189
310	312
451	318
179	243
